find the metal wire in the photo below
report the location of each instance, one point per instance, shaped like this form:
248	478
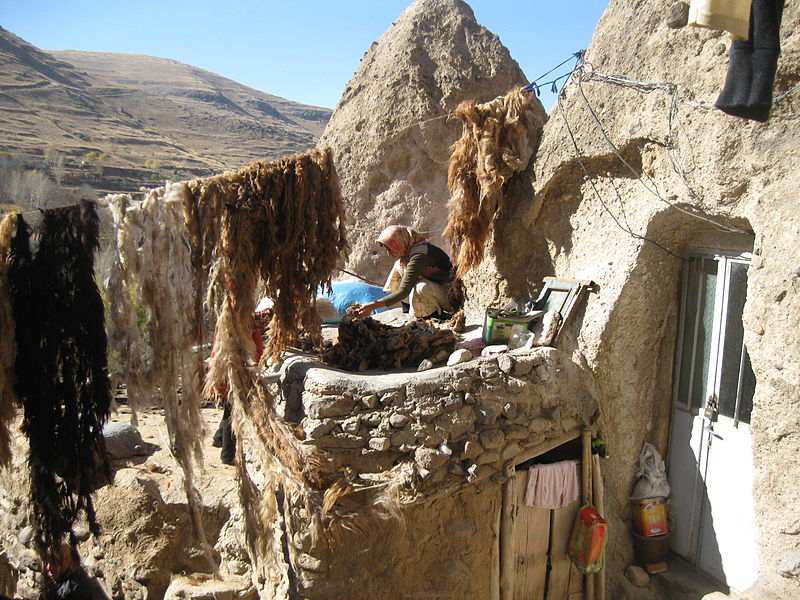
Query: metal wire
627	230
670	89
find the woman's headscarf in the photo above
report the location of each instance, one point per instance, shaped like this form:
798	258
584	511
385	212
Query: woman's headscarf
400	239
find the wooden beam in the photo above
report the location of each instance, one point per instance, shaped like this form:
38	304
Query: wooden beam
530	453
586	491
597	493
507	554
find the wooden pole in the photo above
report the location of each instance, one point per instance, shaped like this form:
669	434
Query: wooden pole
597	492
586	485
507	535
494	573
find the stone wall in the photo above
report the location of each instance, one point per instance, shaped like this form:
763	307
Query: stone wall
445	437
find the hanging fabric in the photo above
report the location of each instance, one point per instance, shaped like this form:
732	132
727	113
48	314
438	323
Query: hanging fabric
61	368
753	64
8	345
497	141
732	16
552	485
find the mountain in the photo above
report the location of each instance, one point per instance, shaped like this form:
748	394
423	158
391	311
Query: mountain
122	120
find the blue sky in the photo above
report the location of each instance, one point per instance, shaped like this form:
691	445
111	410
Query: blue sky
303	50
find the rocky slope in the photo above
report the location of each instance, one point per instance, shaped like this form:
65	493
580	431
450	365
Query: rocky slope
149	117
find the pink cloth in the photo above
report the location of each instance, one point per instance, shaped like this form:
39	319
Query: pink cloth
552	486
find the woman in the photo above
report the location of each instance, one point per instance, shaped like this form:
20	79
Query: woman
421	274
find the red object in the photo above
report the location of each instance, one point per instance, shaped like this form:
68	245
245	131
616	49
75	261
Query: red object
587	541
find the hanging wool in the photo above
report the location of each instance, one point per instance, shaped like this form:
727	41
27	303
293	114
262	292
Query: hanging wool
286	219
8	346
365	343
154	265
61	371
282	223
126	347
495	143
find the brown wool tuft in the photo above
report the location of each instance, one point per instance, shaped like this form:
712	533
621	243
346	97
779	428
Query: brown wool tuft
493	144
279	225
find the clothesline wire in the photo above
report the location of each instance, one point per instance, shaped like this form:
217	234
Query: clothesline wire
649	185
533	86
589	178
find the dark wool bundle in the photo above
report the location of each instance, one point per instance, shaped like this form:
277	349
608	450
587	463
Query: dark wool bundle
8	345
62	378
494	145
365	343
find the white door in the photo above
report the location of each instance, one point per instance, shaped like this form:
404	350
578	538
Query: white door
710	460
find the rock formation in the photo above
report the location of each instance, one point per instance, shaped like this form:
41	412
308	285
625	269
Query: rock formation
707	180
390	131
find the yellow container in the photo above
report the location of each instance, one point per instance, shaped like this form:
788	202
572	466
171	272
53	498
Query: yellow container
649	516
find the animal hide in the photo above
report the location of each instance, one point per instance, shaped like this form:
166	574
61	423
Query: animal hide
8	345
365	343
61	368
495	144
154	265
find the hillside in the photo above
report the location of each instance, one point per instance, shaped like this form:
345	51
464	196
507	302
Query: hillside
122	121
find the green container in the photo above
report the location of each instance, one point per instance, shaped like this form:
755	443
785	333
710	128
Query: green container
498	325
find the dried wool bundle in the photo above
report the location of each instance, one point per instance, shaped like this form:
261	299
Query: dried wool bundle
365	343
280	224
8	345
494	145
126	346
155	262
61	371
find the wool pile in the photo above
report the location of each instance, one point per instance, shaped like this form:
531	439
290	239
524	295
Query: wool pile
495	143
8	345
61	367
365	343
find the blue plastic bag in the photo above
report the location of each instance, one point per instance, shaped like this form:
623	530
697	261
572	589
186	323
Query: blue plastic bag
345	294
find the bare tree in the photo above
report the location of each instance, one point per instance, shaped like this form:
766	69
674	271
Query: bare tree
55	161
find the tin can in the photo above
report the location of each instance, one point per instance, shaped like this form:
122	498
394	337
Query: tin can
649	516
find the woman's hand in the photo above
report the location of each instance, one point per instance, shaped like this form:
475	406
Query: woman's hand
368	308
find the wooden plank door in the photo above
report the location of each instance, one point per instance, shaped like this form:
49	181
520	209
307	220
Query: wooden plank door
531	542
542	568
564	576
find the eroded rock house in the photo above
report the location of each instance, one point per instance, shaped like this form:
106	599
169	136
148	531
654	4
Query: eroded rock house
679	222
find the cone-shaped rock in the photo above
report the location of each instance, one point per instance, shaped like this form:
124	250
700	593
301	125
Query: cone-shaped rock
390	133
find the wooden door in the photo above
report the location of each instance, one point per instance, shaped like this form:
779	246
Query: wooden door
542	568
